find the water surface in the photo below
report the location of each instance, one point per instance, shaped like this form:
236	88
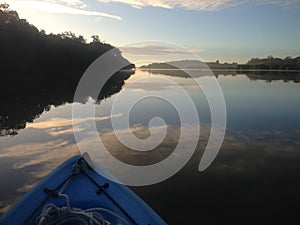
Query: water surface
253	180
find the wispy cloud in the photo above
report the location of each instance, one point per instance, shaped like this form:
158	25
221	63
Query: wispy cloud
207	5
71	3
157	50
282	3
73	7
62	122
188	4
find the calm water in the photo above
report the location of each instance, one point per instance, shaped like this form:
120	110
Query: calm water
253	180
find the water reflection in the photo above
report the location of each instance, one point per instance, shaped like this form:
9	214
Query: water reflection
268	76
254	179
23	104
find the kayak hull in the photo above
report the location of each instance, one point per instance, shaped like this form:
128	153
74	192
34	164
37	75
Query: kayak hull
86	189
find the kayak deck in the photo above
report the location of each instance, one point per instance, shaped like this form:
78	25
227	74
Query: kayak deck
86	189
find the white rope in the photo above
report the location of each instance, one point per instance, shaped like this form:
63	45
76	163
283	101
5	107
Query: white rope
53	215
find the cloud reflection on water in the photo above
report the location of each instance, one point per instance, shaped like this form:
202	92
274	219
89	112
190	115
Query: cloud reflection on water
242	153
254	176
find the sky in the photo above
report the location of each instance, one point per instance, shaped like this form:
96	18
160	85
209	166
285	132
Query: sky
225	30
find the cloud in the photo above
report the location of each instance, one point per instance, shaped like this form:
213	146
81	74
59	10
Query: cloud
206	5
71	3
282	3
156	85
73	7
62	122
147	50
4	207
62	126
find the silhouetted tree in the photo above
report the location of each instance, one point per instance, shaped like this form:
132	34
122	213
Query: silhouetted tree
95	38
4	7
272	63
39	69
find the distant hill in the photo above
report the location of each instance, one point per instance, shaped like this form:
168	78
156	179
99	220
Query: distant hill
190	64
268	63
268	69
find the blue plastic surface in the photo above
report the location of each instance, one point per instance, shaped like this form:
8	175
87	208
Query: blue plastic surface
83	194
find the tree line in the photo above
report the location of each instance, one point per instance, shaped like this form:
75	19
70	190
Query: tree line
39	69
271	63
26	49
